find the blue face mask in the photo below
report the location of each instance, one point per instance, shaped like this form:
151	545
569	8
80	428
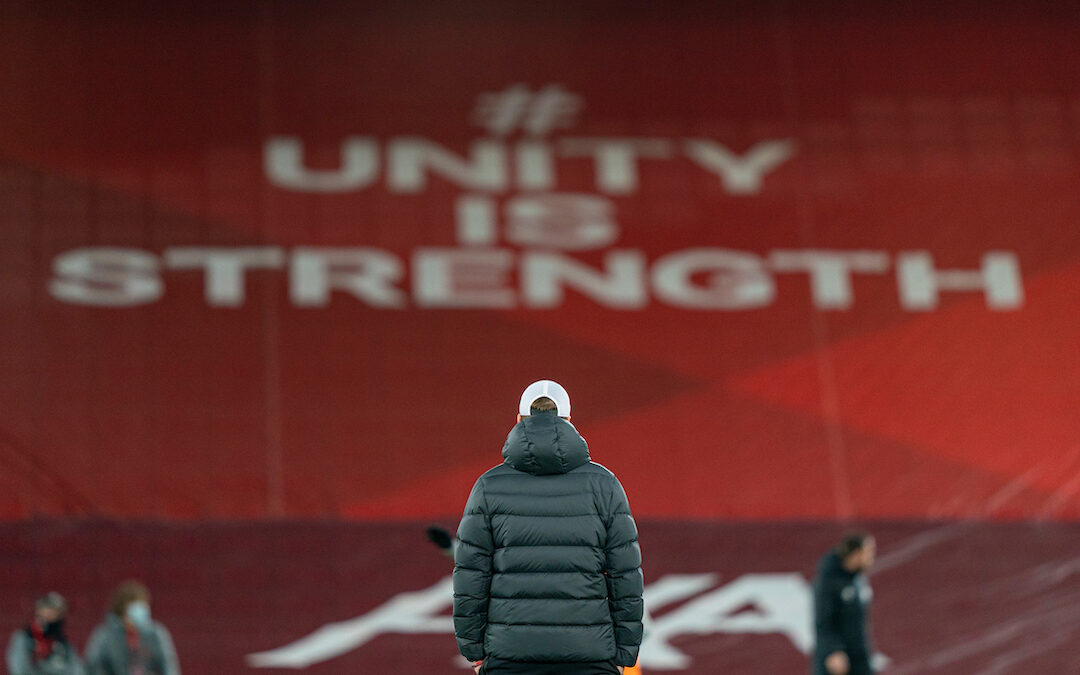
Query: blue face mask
138	613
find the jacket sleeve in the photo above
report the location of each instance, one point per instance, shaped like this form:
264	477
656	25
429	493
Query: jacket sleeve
472	575
75	663
18	654
827	617
622	570
95	653
172	664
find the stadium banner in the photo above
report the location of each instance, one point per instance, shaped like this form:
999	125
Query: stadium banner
326	597
795	260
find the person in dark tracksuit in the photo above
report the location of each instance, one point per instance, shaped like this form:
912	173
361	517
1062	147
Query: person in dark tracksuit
547	568
842	598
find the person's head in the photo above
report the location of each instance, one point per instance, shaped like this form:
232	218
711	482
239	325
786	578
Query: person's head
544	396
49	610
130	602
856	551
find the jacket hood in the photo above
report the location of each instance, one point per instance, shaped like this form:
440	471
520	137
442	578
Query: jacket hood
544	444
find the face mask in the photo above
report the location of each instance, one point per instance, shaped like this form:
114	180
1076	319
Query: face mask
54	629
138	613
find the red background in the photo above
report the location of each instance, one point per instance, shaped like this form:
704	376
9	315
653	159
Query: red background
949	597
947	127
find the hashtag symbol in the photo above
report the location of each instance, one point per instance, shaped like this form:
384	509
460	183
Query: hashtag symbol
501	113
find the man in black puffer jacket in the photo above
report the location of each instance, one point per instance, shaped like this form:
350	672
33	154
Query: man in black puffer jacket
547	569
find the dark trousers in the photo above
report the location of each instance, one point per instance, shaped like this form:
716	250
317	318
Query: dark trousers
496	666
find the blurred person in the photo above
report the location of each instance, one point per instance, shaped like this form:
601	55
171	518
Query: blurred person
42	647
547	574
129	642
842	596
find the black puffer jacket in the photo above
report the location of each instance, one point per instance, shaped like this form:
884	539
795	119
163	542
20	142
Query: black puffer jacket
547	566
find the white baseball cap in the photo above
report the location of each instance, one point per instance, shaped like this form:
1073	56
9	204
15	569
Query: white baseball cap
550	389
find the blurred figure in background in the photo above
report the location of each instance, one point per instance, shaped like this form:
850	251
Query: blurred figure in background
129	642
42	648
842	596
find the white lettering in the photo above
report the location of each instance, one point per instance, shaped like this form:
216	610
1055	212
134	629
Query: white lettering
569	221
366	273
224	269
535	166
920	283
621	285
476	220
479	276
740	175
462	278
616	158
830	272
106	277
412	158
672	588
283	162
782	604
735	279
405	613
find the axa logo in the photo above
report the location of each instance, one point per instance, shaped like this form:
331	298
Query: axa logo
752	603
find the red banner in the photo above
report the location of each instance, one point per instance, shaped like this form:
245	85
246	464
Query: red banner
797	260
338	598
